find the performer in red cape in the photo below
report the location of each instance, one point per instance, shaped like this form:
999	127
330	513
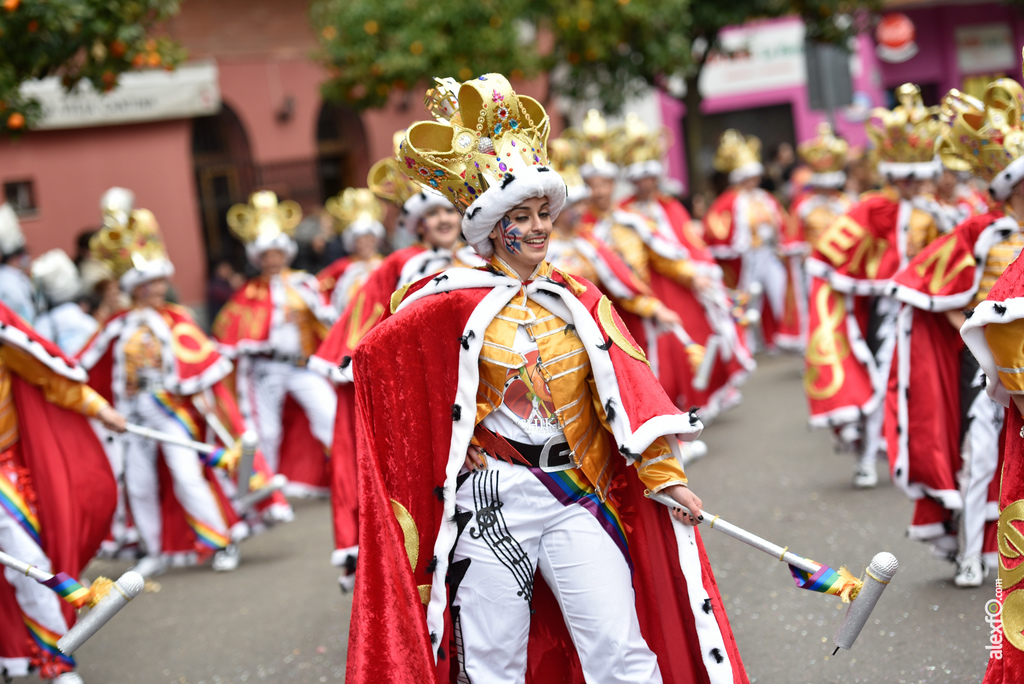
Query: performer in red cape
499	410
679	256
149	362
993	333
744	229
357	216
852	319
57	494
944	453
429	215
271	326
824	200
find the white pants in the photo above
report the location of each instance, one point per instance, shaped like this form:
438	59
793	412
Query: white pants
37	603
980	453
262	387
190	486
518	526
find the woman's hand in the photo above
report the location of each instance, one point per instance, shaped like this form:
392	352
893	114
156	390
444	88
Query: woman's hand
691	514
111	419
475	458
667	316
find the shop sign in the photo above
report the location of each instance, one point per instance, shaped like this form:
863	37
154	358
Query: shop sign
985	48
157	95
755	58
896	38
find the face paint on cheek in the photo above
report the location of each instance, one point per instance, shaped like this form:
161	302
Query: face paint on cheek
510	236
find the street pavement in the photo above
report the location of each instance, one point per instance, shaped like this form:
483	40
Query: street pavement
281	618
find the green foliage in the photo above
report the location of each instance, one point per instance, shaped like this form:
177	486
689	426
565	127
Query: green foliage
373	48
90	40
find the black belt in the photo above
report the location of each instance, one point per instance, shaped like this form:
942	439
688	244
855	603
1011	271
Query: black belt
552	456
293	359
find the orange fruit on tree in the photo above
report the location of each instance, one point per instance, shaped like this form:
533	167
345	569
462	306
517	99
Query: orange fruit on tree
16	121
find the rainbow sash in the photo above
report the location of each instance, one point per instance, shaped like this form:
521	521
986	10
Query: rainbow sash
17	507
828	581
206	535
178	413
47	643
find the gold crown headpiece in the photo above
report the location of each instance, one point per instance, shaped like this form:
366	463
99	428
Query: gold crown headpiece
354	205
826	153
636	143
907	133
123	245
736	151
595	138
492	135
987	140
264	217
566	154
387	181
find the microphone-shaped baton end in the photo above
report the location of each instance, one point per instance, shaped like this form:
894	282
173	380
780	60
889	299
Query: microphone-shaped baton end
877	575
127	587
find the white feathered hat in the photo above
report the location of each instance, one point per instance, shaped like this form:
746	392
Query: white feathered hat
11	237
57	276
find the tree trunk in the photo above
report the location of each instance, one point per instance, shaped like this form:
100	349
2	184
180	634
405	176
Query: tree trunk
693	129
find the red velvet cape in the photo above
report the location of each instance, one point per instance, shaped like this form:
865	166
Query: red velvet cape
408	400
75	490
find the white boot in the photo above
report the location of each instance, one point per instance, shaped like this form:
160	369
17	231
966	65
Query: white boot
151	566
67	678
970	573
227	559
865	475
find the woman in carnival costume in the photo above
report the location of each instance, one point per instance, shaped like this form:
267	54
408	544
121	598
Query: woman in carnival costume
683	271
151	361
357	216
746	229
853	318
57	493
944	455
271	326
499	412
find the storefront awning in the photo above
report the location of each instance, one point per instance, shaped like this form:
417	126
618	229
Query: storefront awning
158	95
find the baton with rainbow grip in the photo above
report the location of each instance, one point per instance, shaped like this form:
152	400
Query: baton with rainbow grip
861	594
104	597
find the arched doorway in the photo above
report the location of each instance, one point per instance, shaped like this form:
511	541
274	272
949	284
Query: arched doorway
341	150
224	176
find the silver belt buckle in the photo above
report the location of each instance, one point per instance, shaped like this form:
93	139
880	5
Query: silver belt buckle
551	447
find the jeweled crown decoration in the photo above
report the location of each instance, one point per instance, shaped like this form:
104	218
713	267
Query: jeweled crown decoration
825	153
567	155
353	205
635	143
907	133
264	216
128	241
595	139
984	137
736	151
491	134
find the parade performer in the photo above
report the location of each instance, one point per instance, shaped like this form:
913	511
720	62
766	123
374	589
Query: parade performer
428	214
16	290
852	317
65	323
944	453
357	217
824	201
150	361
505	366
271	326
679	257
57	493
745	229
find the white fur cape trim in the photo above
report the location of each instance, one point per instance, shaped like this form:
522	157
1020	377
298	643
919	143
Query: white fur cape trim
560	302
645	169
484	213
153	270
1006	180
19	339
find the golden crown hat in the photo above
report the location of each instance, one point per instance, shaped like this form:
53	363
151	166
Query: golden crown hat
489	155
739	156
595	139
566	155
265	224
356	212
131	247
904	137
640	150
386	179
988	140
826	155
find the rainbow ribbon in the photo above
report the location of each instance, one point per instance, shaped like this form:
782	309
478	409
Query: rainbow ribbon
18	508
68	588
828	581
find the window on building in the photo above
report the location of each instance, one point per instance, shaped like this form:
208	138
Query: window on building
21	195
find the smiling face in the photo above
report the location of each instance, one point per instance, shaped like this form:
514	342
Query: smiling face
440	227
273	261
521	236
